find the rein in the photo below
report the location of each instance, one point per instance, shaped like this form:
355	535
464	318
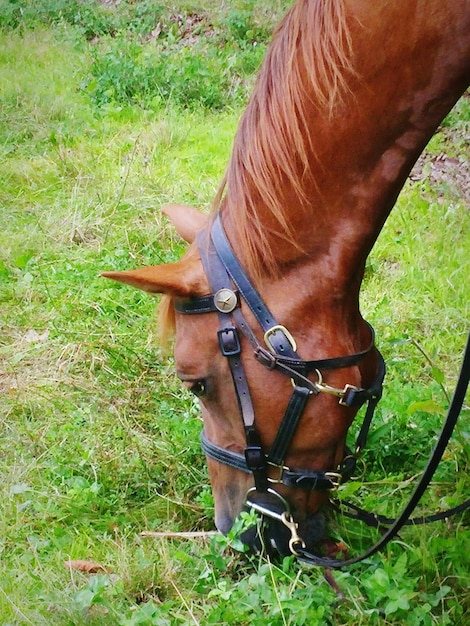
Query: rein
230	284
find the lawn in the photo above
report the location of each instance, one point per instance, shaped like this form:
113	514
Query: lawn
99	441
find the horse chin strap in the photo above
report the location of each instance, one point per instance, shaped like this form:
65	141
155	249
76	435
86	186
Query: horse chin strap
229	284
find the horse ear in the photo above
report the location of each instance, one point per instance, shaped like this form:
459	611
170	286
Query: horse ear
186	219
182	279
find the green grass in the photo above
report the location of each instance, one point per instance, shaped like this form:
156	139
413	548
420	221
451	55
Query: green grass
99	442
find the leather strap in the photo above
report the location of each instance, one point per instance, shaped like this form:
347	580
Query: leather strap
288	426
195	306
227	457
434	460
248	291
219	279
376	520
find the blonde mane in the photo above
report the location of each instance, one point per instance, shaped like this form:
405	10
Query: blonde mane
306	67
166	322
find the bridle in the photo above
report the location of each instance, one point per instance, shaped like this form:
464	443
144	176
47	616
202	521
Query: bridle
230	285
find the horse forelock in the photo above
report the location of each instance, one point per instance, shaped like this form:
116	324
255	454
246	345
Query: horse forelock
306	67
166	321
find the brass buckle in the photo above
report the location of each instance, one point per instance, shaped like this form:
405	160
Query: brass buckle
283	330
277	480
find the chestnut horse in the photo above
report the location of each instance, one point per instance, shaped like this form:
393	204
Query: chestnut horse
280	357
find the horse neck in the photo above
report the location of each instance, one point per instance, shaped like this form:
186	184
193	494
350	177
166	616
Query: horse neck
410	67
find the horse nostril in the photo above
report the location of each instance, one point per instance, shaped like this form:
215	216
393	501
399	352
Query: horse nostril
223	522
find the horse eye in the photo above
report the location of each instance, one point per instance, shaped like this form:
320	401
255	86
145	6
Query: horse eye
198	388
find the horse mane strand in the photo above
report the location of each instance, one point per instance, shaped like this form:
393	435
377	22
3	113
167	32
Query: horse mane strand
305	69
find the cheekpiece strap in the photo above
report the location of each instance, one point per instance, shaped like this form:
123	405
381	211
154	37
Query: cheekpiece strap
268	323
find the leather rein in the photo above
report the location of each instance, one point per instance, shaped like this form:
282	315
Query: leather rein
230	284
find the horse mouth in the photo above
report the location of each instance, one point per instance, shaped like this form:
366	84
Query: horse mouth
272	537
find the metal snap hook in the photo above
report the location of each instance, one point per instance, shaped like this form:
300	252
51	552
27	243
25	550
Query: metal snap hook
320	386
295	539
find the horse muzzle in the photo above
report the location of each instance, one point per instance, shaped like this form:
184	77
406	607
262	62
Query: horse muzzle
279	533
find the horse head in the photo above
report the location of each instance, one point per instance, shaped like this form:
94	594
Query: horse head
313	452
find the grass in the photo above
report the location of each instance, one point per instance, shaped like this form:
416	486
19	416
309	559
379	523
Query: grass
99	442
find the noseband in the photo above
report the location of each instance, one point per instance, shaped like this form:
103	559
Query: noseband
230	284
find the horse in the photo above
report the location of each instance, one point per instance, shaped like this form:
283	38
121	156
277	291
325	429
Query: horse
264	305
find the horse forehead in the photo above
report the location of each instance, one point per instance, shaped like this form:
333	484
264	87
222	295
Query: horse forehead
195	338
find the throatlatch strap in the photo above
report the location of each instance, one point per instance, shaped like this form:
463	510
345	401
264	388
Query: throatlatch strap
375	394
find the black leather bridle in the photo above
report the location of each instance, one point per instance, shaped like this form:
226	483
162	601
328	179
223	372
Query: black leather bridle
230	284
